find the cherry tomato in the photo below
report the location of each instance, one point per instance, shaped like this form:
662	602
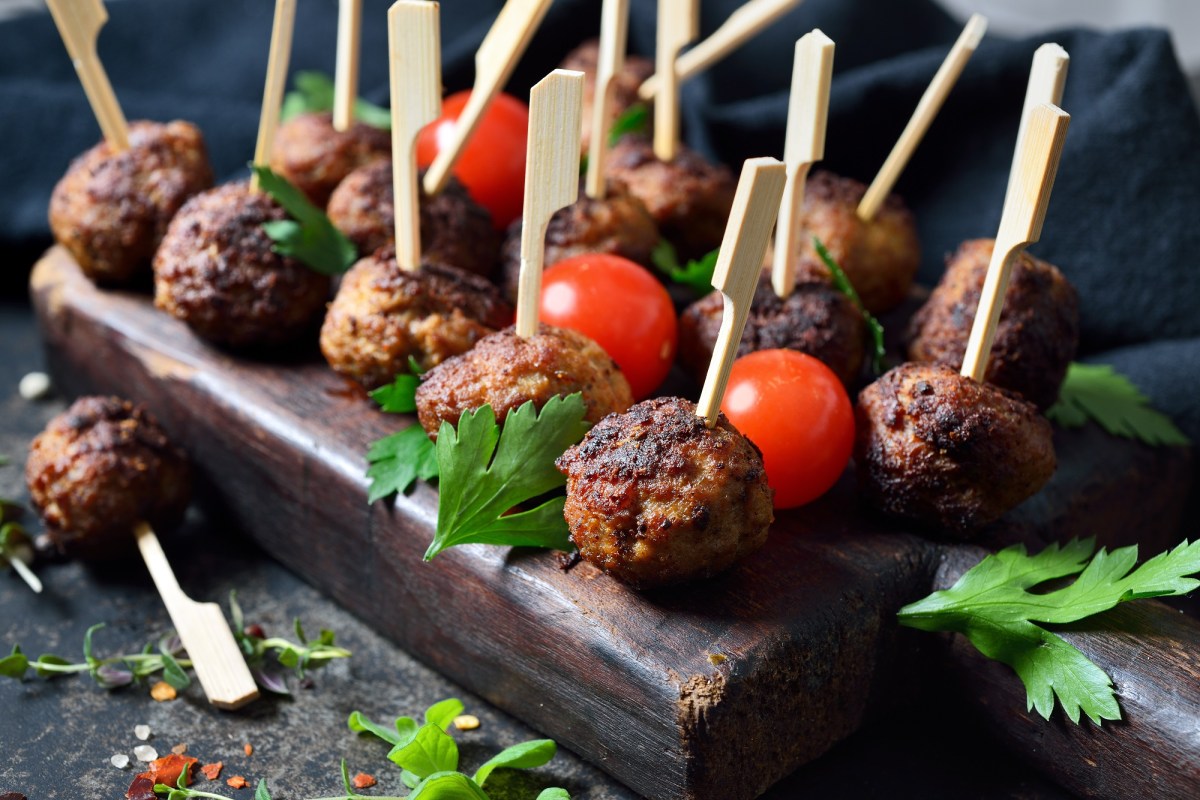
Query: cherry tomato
619	305
796	410
492	165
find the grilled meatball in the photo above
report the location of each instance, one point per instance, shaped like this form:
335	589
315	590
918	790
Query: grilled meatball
1038	331
111	209
945	451
98	469
689	198
654	497
315	157
455	230
635	71
217	272
506	371
617	225
383	316
880	257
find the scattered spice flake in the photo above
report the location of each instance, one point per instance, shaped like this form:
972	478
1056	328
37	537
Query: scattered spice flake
168	769
717	659
212	771
162	691
466	722
249	748
363	781
179	749
142	788
237	782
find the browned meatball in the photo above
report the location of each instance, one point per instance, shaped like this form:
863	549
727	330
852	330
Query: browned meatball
815	319
1038	331
618	225
506	371
315	157
880	257
112	209
98	469
689	198
383	316
217	272
455	230
585	59
942	450
654	497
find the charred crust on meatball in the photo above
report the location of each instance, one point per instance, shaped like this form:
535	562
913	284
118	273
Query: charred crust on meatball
315	157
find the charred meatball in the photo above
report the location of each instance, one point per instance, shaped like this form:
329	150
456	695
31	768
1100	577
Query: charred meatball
586	59
940	449
688	197
1036	337
216	270
316	157
654	497
111	209
455	230
98	469
383	316
506	371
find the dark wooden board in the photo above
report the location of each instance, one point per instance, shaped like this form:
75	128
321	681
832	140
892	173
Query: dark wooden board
714	690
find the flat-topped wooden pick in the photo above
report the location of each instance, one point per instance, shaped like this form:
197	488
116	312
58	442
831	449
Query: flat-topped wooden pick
551	179
678	24
755	206
345	80
1020	224
614	33
79	23
495	60
808	111
928	107
277	67
415	53
1047	77
202	628
743	24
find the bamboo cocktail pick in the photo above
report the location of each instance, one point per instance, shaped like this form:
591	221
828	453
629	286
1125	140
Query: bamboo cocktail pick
277	67
345	81
678	24
202	628
495	60
79	23
415	53
1020	224
743	24
928	107
755	206
614	31
808	111
1047	77
551	179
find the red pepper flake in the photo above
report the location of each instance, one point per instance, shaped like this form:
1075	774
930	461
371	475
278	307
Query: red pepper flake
179	749
249	748
142	788
237	782
363	781
213	771
168	769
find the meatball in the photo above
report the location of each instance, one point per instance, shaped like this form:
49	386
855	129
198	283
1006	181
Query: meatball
617	225
455	230
506	371
98	469
879	257
383	315
216	270
815	319
689	198
1036	337
111	209
586	59
940	449
316	157
654	497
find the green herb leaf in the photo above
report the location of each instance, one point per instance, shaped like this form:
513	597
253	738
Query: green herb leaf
174	674
448	786
395	461
634	120
261	792
841	282
409	779
87	645
696	275
526	755
359	723
431	750
399	396
554	793
309	236
314	94
1099	393
14	664
442	714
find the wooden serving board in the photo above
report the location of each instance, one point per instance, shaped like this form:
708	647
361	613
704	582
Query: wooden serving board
710	691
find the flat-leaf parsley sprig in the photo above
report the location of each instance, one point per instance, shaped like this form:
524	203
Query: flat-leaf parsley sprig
696	274
841	282
1097	392
396	461
309	236
314	94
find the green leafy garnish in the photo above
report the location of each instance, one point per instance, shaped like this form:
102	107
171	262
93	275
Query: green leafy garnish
696	275
399	396
314	94
397	460
1097	392
526	755
309	237
992	606
842	283
633	120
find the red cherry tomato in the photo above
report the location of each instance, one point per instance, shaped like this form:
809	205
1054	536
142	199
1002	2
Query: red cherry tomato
796	410
492	165
621	306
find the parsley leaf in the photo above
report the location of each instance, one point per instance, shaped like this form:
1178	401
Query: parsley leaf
431	750
398	397
992	606
486	472
525	755
1100	393
634	120
309	236
697	275
314	93
842	283
397	460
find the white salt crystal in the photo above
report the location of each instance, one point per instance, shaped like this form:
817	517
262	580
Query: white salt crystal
145	752
142	732
120	761
34	386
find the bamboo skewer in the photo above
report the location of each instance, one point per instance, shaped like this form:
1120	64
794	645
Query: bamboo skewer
927	108
345	82
755	206
678	24
415	56
495	60
1047	77
551	179
1020	224
614	33
79	23
808	111
743	24
277	67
